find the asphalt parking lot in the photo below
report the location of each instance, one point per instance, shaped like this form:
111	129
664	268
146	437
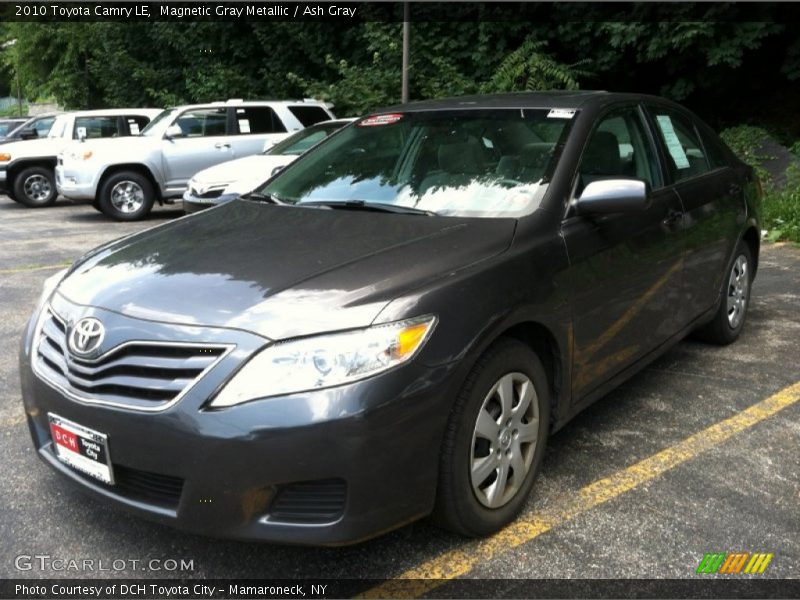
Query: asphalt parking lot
622	494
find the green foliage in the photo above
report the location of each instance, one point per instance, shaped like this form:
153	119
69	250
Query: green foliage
781	210
528	68
746	141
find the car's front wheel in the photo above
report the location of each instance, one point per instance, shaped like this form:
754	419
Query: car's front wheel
729	319
126	196
494	442
35	187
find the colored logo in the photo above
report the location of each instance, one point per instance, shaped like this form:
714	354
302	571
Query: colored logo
86	336
734	563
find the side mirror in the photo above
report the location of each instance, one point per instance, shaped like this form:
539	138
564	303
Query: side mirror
613	196
28	134
173	131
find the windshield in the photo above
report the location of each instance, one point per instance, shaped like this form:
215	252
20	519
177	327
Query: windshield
159	125
304	139
476	163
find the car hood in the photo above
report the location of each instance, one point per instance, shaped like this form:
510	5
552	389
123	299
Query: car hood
259	166
279	271
39	147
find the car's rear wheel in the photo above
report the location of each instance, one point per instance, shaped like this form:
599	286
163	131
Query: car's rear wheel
35	187
126	196
729	319
494	442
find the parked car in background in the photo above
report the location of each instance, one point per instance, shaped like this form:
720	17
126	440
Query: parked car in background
394	324
27	168
125	179
9	125
31	128
228	180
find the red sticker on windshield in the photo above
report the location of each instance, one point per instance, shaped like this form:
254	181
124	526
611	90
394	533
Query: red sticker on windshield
381	120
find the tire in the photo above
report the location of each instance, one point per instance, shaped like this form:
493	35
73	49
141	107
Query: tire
728	321
96	205
11	195
35	187
475	505
126	196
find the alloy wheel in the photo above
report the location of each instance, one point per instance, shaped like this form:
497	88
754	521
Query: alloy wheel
37	188
127	197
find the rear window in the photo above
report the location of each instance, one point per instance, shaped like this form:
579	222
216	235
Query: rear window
308	115
136	123
96	127
258	119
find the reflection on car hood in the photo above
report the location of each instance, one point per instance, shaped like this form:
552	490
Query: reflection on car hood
259	166
279	271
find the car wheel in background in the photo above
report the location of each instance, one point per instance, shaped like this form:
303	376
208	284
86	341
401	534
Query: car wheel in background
35	187
729	319
126	196
494	442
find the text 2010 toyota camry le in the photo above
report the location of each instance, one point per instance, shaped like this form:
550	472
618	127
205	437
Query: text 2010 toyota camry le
393	325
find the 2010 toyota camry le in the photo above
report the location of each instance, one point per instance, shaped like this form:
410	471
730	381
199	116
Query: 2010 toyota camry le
393	325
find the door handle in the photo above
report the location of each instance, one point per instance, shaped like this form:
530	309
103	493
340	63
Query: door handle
673	217
220	145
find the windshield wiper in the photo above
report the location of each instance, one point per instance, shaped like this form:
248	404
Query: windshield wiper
372	206
268	198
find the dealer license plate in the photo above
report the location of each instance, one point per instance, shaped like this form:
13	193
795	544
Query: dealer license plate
81	448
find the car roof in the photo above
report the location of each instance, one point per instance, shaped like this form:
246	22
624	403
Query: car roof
112	112
237	102
568	99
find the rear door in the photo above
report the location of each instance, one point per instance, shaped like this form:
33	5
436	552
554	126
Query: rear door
711	195
254	129
204	142
625	268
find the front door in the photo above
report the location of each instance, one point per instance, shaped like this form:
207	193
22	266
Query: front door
626	268
204	143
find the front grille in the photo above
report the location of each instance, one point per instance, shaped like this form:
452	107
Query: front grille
320	501
208	194
145	375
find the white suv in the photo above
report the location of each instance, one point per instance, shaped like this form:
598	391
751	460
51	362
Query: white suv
27	166
124	178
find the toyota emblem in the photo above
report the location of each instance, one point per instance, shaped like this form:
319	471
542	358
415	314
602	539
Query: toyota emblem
86	336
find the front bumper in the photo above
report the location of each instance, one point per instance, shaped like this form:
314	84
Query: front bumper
75	184
3	180
193	203
378	438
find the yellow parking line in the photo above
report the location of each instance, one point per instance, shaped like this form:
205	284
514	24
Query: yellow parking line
34	268
457	562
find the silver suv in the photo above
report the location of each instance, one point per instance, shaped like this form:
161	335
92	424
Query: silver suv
124	178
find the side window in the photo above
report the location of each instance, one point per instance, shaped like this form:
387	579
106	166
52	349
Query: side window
136	123
96	127
203	122
619	148
42	126
309	115
685	155
714	152
258	119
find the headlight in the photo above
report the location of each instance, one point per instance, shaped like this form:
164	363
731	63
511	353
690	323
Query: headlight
325	361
